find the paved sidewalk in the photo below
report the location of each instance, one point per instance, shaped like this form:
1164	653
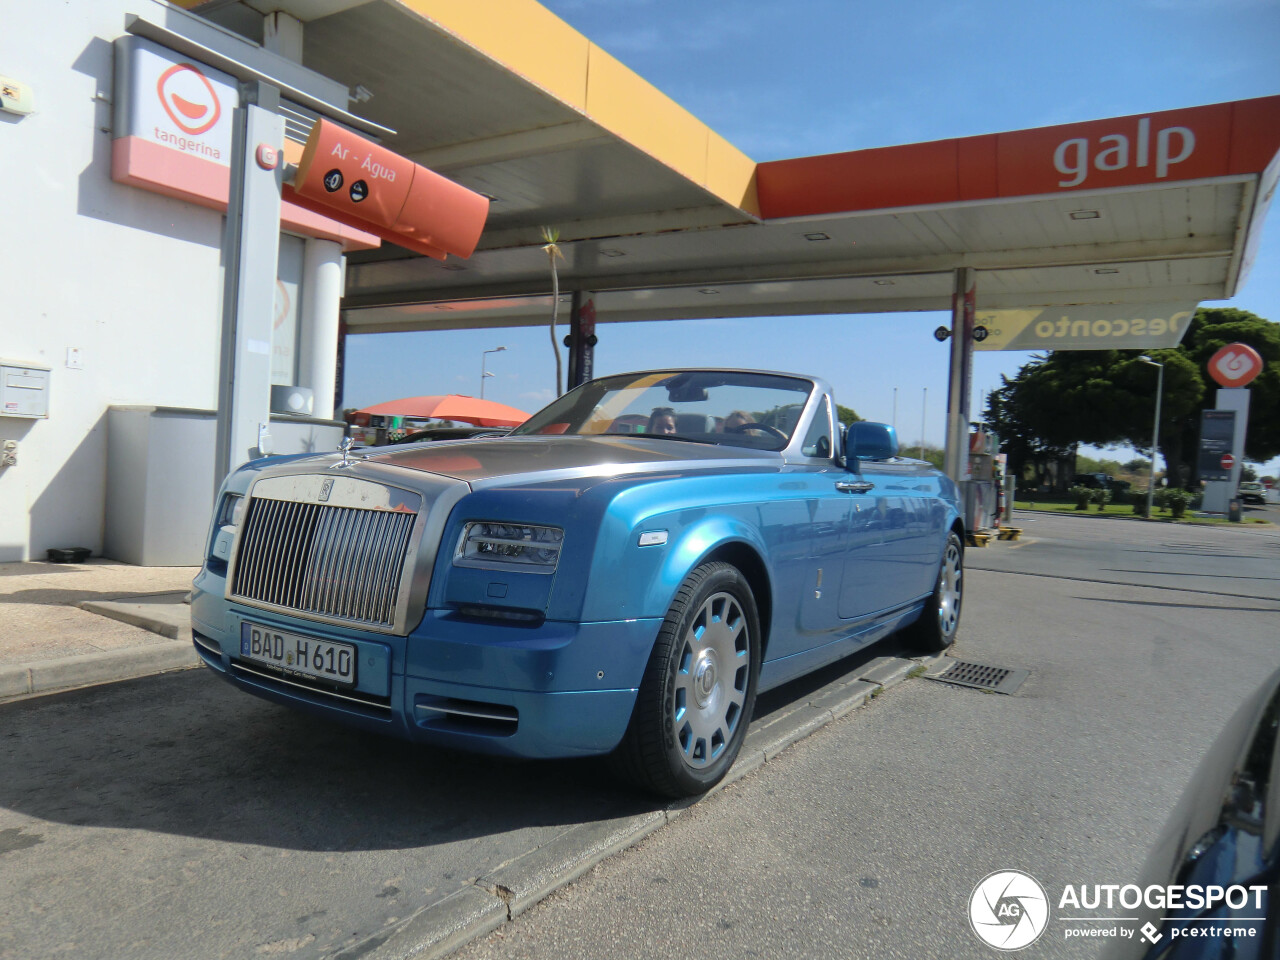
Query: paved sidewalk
68	624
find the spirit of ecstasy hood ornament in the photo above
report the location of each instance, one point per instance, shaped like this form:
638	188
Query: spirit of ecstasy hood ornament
345	449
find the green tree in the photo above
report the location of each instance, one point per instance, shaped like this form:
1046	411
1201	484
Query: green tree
1111	468
846	415
1030	453
933	454
1102	397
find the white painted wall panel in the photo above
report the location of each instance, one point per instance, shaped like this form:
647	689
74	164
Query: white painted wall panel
131	279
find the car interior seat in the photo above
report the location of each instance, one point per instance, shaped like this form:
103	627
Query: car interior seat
694	423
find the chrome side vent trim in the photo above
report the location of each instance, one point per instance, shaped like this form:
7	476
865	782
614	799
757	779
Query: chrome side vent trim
467	716
381	705
338	562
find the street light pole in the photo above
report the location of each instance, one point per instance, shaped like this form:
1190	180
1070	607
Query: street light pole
924	409
483	372
1155	430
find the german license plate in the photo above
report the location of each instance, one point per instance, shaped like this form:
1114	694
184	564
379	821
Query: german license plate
299	656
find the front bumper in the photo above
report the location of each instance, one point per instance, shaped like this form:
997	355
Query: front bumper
552	690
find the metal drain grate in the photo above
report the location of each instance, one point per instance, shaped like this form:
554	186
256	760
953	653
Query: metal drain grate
980	676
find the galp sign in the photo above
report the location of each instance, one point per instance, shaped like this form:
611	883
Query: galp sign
1173	145
1075	157
1235	365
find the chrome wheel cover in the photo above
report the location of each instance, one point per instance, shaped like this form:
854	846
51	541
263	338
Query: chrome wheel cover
950	585
712	673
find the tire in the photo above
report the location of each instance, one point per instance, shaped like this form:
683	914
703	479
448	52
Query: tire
698	690
935	631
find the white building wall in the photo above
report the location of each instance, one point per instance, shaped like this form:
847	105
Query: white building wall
129	278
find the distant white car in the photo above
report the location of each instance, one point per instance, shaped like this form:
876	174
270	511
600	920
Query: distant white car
1251	491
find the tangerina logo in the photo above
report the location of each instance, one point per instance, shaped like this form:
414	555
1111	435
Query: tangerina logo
1008	910
188	98
283	305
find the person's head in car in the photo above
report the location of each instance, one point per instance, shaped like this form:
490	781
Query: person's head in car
662	421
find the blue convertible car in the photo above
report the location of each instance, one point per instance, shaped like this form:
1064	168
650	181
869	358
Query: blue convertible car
620	575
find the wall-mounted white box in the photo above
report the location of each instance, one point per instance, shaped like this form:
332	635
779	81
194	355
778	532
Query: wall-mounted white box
24	390
16	97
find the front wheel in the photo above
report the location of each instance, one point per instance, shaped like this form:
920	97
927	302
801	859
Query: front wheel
699	687
936	629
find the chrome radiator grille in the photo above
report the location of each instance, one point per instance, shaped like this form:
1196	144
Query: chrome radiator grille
329	561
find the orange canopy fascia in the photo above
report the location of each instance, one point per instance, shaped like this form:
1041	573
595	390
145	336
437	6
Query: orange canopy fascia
1226	139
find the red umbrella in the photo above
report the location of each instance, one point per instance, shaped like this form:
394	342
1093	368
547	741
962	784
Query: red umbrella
453	406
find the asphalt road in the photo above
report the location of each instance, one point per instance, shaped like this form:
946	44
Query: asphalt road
174	816
866	839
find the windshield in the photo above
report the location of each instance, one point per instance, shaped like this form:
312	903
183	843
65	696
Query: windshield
740	409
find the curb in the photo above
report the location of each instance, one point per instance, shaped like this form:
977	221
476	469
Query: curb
1085	514
156	614
513	887
49	676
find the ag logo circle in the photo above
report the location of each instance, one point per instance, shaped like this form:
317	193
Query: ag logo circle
1008	910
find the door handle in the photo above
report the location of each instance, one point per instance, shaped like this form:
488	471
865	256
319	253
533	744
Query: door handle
854	486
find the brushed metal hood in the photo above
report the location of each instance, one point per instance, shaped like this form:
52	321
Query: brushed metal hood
475	461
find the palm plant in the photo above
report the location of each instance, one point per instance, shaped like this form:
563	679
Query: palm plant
552	248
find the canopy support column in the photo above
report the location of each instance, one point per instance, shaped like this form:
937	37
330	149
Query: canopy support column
956	458
322	270
340	366
250	251
581	340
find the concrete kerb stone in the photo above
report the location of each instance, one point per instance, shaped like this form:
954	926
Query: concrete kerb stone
522	882
47	676
166	614
886	670
796	725
846	698
15	681
515	886
438	929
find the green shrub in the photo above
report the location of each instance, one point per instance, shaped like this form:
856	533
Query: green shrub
1140	507
1176	500
1101	496
1161	498
1082	496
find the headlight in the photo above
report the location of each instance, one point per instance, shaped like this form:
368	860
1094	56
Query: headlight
231	512
523	546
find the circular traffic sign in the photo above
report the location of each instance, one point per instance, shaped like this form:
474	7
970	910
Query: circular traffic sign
1228	461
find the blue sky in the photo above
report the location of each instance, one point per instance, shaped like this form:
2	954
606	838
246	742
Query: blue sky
820	76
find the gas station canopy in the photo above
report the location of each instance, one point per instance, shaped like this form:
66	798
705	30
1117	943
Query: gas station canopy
661	218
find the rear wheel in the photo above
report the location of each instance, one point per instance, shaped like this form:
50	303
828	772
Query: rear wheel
699	688
936	629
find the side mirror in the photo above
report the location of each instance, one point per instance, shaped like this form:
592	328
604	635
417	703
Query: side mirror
864	440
